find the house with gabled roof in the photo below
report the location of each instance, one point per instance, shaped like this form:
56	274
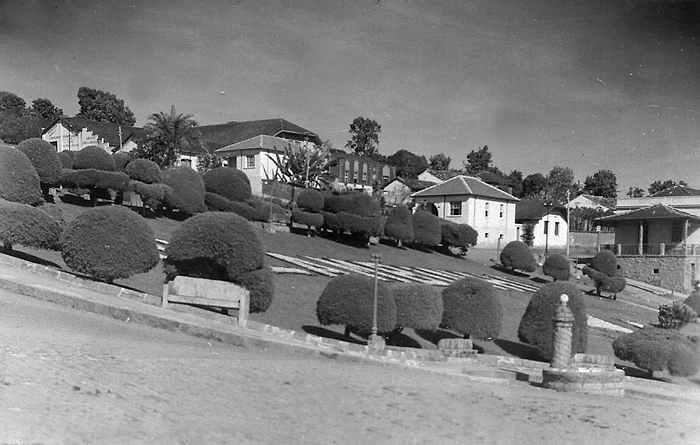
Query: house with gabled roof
351	171
437	176
593	202
549	223
468	200
398	191
657	238
76	133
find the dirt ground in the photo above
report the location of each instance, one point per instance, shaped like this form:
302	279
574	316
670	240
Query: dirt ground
68	377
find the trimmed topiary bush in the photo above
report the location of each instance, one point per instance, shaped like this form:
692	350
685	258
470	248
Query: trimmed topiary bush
93	157
693	301
267	211
536	327
217	203
221	246
310	200
109	242
605	262
152	195
472	307
19	181
457	235
45	161
66	160
94	180
517	256
348	300
28	226
418	306
399	225
121	160
426	228
187	190
654	349
557	267
308	219
143	170
228	182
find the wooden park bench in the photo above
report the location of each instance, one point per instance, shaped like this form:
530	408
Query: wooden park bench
204	292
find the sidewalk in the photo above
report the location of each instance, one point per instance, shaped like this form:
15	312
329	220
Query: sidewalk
48	284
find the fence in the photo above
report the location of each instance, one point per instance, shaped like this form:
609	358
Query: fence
653	249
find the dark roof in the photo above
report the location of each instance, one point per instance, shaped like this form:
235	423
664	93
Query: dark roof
677	190
657	211
465	185
108	132
216	136
442	175
534	210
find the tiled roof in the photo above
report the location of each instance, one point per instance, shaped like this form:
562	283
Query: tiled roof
216	136
605	202
465	185
534	210
678	190
261	141
108	132
657	211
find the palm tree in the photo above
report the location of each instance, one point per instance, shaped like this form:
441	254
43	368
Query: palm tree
168	134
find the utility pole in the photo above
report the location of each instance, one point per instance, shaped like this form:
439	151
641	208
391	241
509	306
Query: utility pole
568	221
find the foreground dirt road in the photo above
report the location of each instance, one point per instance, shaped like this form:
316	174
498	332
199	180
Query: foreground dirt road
71	377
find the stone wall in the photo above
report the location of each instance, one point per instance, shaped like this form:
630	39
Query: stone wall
670	272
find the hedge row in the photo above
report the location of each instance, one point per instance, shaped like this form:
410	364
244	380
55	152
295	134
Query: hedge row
95	179
655	349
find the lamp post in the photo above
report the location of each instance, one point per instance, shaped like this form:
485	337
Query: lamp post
376	342
568	222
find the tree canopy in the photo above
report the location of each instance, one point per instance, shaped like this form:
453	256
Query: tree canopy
45	109
602	183
303	165
439	162
101	106
408	165
658	186
478	161
16	122
560	180
635	192
534	185
364	136
168	134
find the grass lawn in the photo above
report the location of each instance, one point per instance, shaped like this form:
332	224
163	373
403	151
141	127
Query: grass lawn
294	305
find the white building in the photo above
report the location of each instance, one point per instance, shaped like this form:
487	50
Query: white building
75	133
550	225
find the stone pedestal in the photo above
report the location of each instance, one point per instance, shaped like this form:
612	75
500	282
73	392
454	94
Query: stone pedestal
563	335
376	343
457	347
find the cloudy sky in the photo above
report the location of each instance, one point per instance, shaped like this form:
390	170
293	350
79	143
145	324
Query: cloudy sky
586	84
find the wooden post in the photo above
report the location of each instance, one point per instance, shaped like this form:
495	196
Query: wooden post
641	237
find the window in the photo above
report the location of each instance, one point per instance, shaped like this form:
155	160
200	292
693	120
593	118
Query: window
486	235
500	213
677	232
186	163
354	177
250	161
455	208
364	178
556	229
546	227
345	176
486	210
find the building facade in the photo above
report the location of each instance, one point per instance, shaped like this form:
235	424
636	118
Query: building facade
355	172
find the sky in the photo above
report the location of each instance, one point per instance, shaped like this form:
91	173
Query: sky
585	84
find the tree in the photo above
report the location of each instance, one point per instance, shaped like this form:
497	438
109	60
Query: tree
515	182
635	192
534	185
559	181
45	109
168	134
16	124
364	136
658	186
602	183
303	165
478	161
101	106
408	165
439	162
11	102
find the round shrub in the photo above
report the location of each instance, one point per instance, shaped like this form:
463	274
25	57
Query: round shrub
418	306
71	153
56	213
228	182
348	203
267	211
187	189
152	195
331	221
517	256
399	225
348	300
537	328
557	267
143	170
93	157
426	228
307	218
44	159
109	242
218	203
28	226
95	179
654	349
694	301
121	160
457	235
472	307
617	284
605	262
19	181
66	160
310	200
221	246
